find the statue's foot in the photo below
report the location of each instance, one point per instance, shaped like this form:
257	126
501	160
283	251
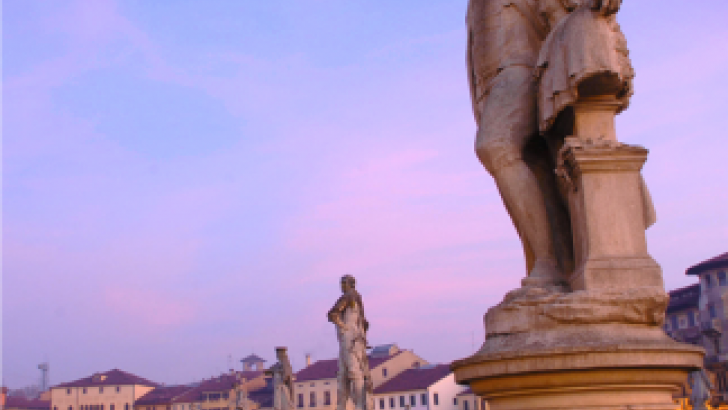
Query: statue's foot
544	274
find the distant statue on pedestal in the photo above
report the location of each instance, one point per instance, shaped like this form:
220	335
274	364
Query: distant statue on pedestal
283	387
354	380
700	387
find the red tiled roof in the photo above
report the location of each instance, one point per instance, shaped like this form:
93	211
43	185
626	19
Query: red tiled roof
19	402
712	263
162	395
225	382
414	379
326	369
683	298
112	377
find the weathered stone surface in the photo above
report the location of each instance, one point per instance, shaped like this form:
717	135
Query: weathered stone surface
532	309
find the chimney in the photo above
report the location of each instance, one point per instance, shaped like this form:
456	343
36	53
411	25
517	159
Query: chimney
308	359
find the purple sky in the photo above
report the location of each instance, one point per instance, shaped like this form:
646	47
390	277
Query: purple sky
187	181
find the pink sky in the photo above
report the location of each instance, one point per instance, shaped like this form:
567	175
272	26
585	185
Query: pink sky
183	183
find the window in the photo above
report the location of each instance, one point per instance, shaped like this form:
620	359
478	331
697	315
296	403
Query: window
111	407
401	401
436	399
102	407
466	405
673	322
413	400
691	319
455	401
101	389
313	384
391	402
713	313
68	391
55	407
384	372
312	400
683	324
118	389
475	404
84	390
381	404
327	398
70	407
300	399
126	406
721	278
423	399
708	283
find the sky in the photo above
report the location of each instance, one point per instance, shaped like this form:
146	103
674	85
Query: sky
185	182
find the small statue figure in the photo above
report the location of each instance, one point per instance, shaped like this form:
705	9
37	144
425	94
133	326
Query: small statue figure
240	399
700	387
283	387
354	380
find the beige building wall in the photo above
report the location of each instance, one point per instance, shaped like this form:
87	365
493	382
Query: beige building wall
76	398
406	359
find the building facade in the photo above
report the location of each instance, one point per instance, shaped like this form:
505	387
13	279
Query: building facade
112	390
467	400
219	393
316	383
428	387
698	314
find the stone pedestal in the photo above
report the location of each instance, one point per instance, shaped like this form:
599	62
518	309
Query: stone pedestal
595	342
604	376
608	215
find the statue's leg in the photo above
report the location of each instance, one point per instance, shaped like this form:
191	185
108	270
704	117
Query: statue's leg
342	385
508	119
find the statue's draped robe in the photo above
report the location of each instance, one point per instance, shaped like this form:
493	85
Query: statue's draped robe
582	46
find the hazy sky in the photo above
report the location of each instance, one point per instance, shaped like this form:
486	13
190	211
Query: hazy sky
186	181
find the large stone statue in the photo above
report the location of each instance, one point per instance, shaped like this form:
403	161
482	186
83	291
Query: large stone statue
547	78
354	380
528	62
283	386
700	387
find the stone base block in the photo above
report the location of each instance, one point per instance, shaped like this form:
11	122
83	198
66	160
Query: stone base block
531	309
595	376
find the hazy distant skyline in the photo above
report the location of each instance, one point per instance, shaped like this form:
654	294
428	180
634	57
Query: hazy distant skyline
184	181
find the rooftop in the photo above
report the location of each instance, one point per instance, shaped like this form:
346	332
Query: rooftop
326	369
684	298
112	377
414	379
252	359
162	395
225	382
719	261
466	392
19	402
